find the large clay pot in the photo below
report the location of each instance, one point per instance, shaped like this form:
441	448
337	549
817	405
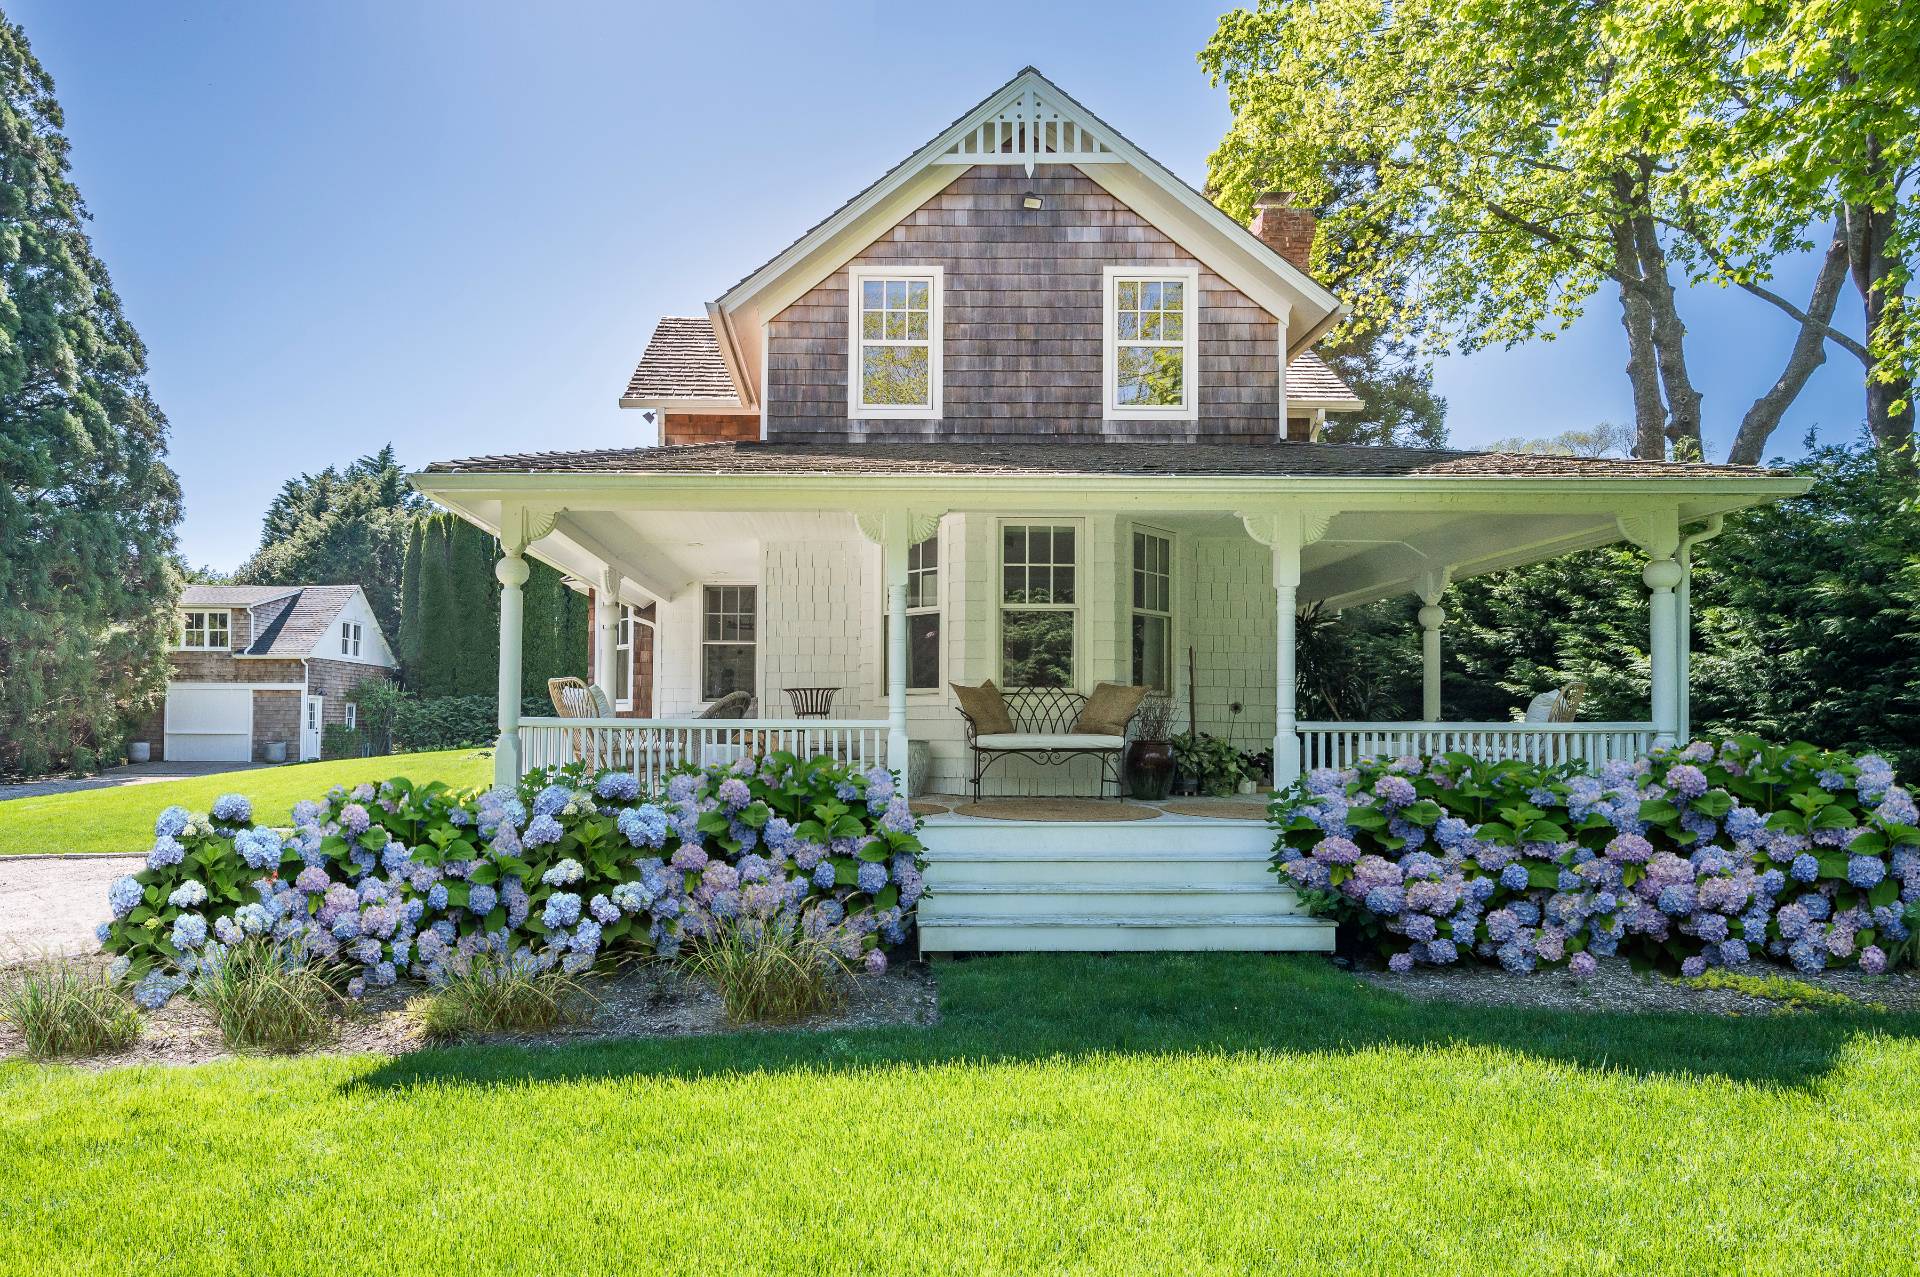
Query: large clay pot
1150	769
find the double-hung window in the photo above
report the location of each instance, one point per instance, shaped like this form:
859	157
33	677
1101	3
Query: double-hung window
623	660
893	341
206	631
729	626
349	638
1039	605
1152	609
1151	343
923	618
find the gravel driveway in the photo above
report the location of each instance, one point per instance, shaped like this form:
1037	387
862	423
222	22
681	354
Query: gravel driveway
50	904
125	774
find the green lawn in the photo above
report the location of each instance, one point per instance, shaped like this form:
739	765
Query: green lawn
121	819
1216	1113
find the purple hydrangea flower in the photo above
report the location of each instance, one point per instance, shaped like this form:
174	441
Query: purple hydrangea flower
1692	966
1400	963
1582	965
542	831
1873	960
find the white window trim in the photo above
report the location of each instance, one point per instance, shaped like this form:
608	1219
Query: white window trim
623	628
350	635
999	588
1189	408
857	409
939	607
1173	598
701	640
352	716
183	646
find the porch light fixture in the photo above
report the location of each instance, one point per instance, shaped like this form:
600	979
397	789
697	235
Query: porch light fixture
1032	202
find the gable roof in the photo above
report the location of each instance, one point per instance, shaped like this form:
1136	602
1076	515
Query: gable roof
290	620
1028	105
683	362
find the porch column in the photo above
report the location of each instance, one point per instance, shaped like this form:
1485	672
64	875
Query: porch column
893	552
1657	532
606	630
1433	587
1285	533
512	572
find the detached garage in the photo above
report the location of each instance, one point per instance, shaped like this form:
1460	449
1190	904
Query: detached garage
209	724
260	672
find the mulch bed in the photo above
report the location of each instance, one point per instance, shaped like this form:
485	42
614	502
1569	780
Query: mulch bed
640	1000
1615	986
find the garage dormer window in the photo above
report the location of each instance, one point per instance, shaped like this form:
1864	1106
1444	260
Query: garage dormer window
206	630
893	341
1152	342
349	638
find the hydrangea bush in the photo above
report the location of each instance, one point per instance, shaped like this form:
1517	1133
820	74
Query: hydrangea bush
1706	856
404	879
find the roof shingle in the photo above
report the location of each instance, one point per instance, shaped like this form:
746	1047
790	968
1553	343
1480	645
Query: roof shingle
1275	460
682	361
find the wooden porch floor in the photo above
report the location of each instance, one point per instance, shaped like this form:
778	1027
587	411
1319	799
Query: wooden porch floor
957	809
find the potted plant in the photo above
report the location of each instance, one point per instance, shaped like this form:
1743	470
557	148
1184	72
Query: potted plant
1150	752
1210	761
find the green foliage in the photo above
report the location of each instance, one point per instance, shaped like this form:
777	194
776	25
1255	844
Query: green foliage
87	505
450	631
341	527
770	972
267	996
63	1009
492	994
1211	762
337	740
1793	994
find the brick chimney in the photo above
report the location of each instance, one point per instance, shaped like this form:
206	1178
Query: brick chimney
1285	229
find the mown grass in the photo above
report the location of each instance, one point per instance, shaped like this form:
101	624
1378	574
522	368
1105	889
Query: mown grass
121	819
1203	1114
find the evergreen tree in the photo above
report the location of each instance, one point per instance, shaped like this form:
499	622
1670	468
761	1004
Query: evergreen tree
477	650
88	507
341	527
436	673
408	636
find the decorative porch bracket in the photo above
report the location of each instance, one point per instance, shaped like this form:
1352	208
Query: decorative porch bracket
1656	530
606	629
1286	532
895	532
1431	587
520	526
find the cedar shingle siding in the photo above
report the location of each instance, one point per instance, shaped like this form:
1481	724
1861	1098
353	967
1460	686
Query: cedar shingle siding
1023	325
716	427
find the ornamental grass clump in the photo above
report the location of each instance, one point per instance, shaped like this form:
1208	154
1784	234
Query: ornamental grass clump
63	1009
490	993
396	880
772	970
1709	856
268	995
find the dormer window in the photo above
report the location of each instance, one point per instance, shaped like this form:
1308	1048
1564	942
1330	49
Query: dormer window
349	638
1151	348
206	630
893	342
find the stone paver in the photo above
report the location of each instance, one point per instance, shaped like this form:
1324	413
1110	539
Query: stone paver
125	774
50	906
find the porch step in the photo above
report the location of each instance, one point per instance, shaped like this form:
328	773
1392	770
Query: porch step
1102	933
1115	867
1145	898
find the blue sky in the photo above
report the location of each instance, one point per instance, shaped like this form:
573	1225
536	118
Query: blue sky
452	226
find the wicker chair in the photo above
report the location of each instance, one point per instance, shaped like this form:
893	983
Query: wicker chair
576	698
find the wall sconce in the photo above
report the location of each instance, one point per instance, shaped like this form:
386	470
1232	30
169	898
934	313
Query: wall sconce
1032	202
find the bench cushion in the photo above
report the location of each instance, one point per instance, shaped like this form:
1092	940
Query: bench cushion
1047	740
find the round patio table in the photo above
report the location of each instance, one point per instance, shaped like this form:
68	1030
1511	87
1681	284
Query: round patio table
812	702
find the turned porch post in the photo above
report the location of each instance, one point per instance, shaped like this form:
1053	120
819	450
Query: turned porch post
1285	533
606	631
895	532
1433	587
1684	596
519	527
1657	532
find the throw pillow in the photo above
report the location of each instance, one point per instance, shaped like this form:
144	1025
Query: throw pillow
986	707
1108	710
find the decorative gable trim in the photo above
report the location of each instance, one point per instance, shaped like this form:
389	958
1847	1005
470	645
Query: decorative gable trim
1034	128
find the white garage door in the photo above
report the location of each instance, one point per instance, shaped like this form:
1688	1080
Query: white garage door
209	724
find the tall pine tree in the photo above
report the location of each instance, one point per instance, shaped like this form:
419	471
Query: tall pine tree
87	505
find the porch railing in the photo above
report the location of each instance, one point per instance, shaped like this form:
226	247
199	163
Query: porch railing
1590	744
652	747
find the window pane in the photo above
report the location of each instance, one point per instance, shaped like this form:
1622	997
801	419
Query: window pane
1062	585
1149	327
1150	651
896	325
1036	649
1126	294
923	650
872	324
1126	325
623	675
1150	295
1013	544
1170	328
1171	295
728	668
872	294
896	294
917	294
916	325
894	375
1013	585
1150	376
1063	545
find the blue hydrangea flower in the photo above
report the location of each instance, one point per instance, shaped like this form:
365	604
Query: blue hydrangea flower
618	787
1805	868
542	831
1514	877
189	931
823	874
1865	872
125	895
172	822
564	873
156	989
551	800
871	876
166	853
643	826
563	910
481	899
188	895
232	809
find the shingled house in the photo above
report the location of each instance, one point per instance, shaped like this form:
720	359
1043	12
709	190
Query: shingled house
256	667
1030	408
